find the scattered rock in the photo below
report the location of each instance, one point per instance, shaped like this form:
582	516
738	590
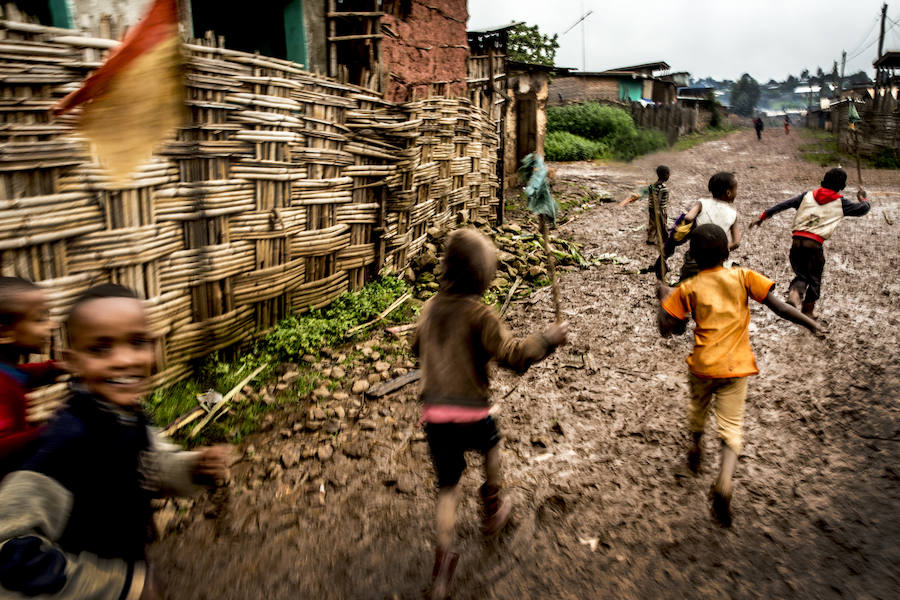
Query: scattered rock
285	432
321	393
540	441
557	429
274	471
374	378
357	448
290	376
333	426
325	452
340	396
367	424
381	366
338	373
309	358
290	456
406	483
339	412
360	386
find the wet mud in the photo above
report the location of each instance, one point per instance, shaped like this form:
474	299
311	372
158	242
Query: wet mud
595	440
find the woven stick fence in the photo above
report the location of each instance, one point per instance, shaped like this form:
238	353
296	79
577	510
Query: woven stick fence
284	190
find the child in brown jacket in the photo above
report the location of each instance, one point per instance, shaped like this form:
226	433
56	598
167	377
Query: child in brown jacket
456	338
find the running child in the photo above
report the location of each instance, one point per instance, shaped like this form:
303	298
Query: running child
818	215
456	337
657	203
74	521
25	328
722	359
718	210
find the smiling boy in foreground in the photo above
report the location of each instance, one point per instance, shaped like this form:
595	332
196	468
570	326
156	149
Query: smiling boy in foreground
75	520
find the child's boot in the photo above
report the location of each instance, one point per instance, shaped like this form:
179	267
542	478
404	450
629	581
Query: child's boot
442	574
695	453
496	509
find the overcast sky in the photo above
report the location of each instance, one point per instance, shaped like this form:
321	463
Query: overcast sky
721	38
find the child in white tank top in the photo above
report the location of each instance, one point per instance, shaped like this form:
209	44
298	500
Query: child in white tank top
718	210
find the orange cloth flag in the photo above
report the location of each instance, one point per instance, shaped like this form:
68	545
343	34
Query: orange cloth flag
135	100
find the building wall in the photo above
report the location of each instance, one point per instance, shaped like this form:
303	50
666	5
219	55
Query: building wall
109	18
425	53
316	51
523	86
572	90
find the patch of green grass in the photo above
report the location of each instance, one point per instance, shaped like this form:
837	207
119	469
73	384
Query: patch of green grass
287	342
821	149
707	135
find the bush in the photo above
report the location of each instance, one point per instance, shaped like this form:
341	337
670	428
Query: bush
589	120
629	144
592	130
886	159
565	146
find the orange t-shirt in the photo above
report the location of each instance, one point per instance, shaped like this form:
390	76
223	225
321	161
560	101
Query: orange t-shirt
717	299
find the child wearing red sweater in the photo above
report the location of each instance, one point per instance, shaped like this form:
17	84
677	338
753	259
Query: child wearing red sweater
25	328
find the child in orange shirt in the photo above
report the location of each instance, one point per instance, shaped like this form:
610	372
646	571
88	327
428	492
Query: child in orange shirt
722	358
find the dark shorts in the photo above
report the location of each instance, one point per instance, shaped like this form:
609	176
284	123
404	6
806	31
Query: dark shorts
808	263
450	441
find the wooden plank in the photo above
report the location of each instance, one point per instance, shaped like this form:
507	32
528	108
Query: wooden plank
389	387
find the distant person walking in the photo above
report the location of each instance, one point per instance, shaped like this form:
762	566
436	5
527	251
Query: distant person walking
758	124
787	125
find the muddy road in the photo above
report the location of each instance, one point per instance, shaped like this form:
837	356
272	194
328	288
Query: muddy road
595	437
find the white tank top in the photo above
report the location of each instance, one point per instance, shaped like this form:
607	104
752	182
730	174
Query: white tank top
718	213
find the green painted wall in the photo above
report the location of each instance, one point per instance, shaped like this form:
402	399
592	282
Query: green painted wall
295	32
630	89
61	14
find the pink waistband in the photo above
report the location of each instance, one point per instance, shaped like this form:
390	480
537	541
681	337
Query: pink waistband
448	413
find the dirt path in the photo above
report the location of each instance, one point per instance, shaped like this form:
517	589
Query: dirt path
594	456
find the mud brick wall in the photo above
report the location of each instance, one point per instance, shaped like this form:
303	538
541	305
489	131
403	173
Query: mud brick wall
574	90
425	52
283	190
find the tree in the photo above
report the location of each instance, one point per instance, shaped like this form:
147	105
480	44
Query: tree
804	74
744	96
527	44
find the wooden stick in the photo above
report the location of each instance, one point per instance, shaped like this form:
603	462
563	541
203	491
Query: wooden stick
856	148
383	314
225	399
551	268
654	202
509	297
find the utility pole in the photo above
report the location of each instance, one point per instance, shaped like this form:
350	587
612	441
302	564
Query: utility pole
879	75
841	80
583	48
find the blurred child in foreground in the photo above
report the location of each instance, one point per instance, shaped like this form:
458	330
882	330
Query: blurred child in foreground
456	337
25	328
74	521
717	298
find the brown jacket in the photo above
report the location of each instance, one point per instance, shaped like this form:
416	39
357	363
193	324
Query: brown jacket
456	337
